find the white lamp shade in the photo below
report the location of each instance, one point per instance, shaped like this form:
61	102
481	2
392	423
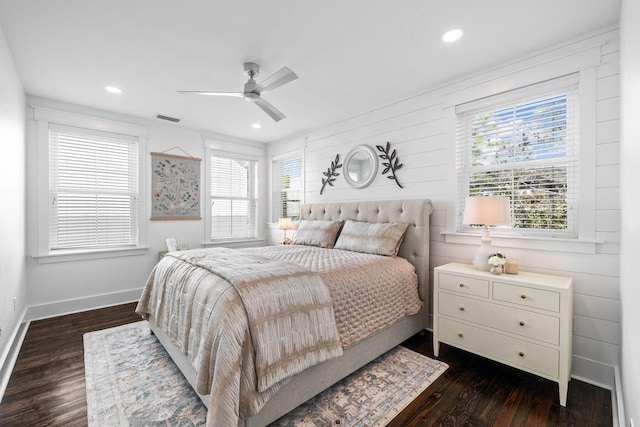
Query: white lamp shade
285	224
486	210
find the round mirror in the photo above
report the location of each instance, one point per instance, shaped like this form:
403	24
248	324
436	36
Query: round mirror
361	166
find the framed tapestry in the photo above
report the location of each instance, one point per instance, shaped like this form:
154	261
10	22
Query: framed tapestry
175	183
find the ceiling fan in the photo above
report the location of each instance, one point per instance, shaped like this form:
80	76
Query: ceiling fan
253	91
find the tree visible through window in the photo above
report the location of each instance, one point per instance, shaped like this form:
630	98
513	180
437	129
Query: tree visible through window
527	151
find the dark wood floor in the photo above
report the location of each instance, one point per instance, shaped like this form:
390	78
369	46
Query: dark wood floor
477	392
47	387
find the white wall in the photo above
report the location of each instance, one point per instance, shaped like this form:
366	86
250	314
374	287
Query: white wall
630	203
12	189
63	287
421	129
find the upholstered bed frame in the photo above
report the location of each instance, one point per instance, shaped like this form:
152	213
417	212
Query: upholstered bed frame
414	248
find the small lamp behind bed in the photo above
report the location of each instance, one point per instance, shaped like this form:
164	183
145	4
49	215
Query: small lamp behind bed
286	224
486	211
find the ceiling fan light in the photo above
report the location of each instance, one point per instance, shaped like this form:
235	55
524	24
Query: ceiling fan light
251	97
256	125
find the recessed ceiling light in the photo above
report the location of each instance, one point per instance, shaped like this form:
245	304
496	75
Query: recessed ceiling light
256	125
113	89
452	35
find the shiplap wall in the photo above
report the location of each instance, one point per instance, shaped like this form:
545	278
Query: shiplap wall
420	129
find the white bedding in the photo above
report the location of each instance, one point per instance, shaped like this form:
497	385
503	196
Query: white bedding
204	316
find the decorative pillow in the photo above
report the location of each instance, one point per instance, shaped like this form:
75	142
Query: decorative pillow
320	233
371	237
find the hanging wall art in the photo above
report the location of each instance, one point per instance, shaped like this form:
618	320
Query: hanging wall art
175	183
390	162
331	173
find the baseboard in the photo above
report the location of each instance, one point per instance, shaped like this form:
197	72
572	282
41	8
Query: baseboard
9	357
617	401
59	308
592	372
603	376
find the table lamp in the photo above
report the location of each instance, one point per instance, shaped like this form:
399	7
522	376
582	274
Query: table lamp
285	224
486	211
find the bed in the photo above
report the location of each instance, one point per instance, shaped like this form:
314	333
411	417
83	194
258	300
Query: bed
173	307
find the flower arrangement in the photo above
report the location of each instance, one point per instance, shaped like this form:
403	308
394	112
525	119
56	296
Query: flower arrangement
497	261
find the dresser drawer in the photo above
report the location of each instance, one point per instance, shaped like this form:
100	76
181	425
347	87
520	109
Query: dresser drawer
528	297
515	352
463	284
516	321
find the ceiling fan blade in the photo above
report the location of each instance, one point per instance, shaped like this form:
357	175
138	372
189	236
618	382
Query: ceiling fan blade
204	92
270	109
281	77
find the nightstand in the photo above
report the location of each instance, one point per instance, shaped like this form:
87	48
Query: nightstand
162	254
524	320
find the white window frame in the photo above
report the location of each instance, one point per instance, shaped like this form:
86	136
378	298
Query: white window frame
208	240
275	186
585	66
516	98
44	117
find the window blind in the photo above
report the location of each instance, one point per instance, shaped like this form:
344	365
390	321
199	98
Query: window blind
525	148
286	174
234	202
93	189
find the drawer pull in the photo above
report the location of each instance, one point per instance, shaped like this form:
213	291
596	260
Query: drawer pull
461	284
521	354
460	334
522	323
461	308
523	296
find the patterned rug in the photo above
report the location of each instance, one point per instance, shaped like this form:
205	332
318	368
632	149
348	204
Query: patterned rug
131	381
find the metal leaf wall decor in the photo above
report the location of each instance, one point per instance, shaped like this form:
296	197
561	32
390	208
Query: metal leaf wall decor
391	163
331	173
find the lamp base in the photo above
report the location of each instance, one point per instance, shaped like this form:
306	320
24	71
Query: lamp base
480	259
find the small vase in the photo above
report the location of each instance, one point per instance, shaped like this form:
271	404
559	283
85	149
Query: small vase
496	269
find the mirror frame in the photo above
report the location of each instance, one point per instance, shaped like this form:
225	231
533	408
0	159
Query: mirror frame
372	157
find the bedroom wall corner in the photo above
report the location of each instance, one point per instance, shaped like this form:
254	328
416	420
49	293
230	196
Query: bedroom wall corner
13	288
630	227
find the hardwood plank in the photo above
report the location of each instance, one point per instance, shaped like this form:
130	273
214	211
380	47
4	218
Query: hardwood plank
47	385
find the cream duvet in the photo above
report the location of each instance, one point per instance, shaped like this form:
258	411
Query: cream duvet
249	319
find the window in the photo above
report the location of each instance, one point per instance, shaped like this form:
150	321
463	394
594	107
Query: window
524	145
88	187
286	187
234	200
93	189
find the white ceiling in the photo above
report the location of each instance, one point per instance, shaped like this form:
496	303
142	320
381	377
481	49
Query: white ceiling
351	56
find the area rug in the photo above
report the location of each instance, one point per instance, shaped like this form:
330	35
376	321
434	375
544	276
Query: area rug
131	381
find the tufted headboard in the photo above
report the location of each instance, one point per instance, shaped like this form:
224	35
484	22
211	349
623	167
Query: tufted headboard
415	212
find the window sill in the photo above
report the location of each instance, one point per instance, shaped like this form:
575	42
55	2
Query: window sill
247	243
556	244
67	256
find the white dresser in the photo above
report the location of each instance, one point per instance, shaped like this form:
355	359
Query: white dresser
524	320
